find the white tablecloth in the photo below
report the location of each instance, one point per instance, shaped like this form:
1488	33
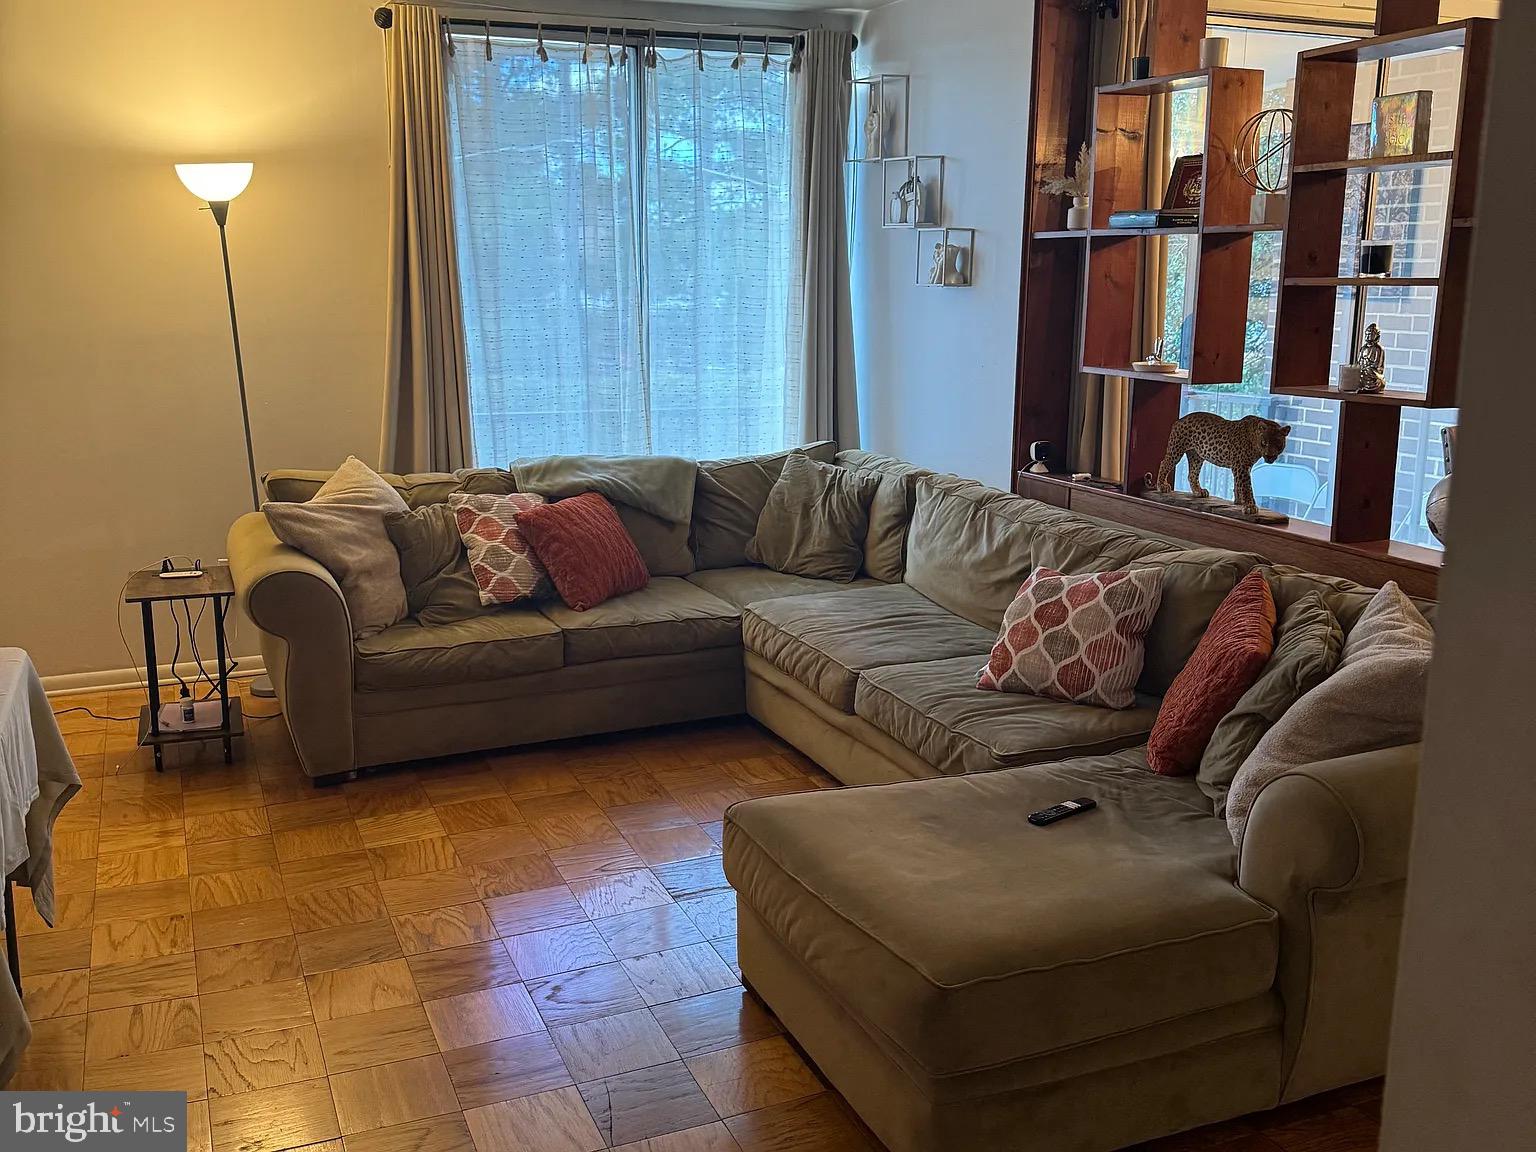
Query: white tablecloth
37	778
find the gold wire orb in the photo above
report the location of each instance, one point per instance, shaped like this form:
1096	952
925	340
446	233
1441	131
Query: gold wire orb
1263	150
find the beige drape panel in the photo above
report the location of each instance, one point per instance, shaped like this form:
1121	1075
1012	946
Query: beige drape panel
821	317
1101	409
426	402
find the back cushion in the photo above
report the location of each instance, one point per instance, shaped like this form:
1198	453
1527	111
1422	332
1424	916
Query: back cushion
890	513
1345	599
970	546
418	489
1195	582
728	498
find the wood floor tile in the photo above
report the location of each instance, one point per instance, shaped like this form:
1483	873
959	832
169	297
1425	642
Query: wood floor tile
472	815
555	1121
200	1132
450	927
528	780
553	950
124	941
754	1076
611	1045
438	1134
574	997
52	994
171	1070
761	770
600	858
348	946
325	808
479	1017
201	799
390	1094
509	875
667	845
229	855
335	907
632	785
386	796
678	973
242	923
715	1020
818	1124
709	1138
452	786
137	901
398	827
413	857
654	816
55	1059
648	930
368	988
713	913
726	949
603	896
57	952
252	1061
533	911
71	910
242	965
273	1119
483	845
231	825
243	886
383	1037
648	1102
706	804
142	1028
317	873
693	877
114	870
427	891
312	841
506	1069
141	836
563	820
258	1008
467	969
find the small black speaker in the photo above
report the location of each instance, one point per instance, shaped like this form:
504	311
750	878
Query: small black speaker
383	17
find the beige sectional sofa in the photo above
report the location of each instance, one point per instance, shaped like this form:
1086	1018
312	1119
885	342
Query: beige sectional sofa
966	980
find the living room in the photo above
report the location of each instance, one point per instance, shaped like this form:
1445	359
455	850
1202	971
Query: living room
664	568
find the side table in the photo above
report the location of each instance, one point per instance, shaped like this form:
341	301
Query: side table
148	588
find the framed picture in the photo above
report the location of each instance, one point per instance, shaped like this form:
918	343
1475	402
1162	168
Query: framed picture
1400	124
1186	184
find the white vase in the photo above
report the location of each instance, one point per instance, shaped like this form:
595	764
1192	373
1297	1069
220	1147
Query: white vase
1079	215
1213	52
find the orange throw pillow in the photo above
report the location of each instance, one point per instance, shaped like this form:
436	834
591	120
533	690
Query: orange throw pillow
1230	656
583	546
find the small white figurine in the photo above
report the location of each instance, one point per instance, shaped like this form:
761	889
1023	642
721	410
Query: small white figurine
872	128
936	272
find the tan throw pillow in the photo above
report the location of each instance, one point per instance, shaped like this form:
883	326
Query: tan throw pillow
1374	700
815	521
728	499
1307	647
439	587
342	527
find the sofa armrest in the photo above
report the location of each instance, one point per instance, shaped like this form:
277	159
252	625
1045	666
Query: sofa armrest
1326	847
306	640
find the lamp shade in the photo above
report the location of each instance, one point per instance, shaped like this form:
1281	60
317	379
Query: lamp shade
215	182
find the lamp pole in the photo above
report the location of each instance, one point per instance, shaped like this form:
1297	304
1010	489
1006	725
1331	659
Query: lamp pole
220	210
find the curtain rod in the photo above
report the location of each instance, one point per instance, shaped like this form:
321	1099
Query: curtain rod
531	20
621	31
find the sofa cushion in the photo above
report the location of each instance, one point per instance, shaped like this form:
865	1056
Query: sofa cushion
491	646
815	522
966	938
890	513
970	546
668	615
417	489
439	586
825	641
1195	582
743	586
502	560
585	548
728	498
935	710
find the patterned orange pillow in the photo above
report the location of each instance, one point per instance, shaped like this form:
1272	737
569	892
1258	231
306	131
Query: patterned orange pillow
1230	656
1076	638
582	543
504	566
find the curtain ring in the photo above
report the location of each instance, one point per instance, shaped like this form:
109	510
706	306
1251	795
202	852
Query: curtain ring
586	46
740	44
650	51
795	54
540	51
701	51
487	39
447	37
608	44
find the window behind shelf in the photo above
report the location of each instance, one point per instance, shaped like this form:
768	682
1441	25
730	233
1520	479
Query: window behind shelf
1406	207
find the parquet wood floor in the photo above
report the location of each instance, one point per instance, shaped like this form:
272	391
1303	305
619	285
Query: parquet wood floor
516	952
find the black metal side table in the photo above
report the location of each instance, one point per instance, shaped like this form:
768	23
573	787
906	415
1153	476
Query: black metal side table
148	588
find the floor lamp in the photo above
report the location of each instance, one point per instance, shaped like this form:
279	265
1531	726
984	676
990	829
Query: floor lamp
218	184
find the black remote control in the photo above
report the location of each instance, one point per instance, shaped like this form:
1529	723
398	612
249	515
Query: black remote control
1061	811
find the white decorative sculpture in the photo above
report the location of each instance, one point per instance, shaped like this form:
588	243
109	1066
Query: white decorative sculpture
872	126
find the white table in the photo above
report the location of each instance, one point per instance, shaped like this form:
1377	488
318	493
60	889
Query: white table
37	778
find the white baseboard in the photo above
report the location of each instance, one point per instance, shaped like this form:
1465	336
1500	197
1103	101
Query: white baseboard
113	678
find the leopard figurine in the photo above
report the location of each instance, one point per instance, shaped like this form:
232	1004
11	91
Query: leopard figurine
1234	444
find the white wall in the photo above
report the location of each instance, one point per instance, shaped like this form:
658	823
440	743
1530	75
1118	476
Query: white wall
936	366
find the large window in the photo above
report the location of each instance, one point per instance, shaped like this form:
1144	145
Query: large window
625	241
1406	207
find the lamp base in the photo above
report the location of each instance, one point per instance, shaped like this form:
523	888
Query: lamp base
262	687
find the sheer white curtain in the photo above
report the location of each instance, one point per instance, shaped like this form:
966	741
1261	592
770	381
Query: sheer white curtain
548	236
625	243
